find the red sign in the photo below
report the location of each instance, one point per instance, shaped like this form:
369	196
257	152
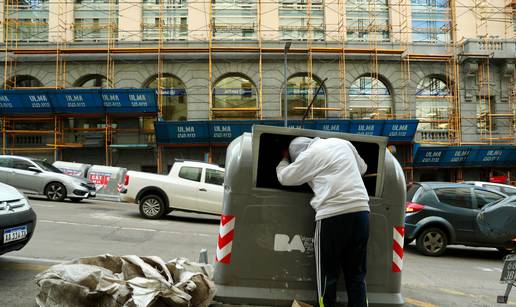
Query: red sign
99	178
498	179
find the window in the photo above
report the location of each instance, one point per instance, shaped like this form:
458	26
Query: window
426	198
24	81
457	197
95	20
369	99
168	20
214	177
234	19
47	166
26	20
509	191
367	20
432	109
430	21
174	98
235	97
190	173
297	21
92	81
485	197
300	92
21	164
4	161
492	187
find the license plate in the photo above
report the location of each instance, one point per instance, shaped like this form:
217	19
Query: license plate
15	233
509	269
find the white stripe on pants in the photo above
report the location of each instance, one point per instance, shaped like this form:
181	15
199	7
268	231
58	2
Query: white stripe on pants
318	269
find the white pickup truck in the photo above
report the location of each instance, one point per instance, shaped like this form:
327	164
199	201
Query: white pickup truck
190	186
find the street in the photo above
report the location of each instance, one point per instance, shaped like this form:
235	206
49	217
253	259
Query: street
462	277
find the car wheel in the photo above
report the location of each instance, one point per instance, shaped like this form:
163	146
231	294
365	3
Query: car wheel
55	191
76	200
152	207
432	242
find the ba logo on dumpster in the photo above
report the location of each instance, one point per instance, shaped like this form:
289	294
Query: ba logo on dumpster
282	243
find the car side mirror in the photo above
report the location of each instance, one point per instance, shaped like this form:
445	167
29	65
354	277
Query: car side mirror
34	169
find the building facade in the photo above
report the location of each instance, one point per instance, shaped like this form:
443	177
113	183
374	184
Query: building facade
448	65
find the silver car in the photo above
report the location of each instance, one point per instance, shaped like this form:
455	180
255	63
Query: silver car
34	176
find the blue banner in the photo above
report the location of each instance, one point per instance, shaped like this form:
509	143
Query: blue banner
468	156
400	130
366	127
333	125
35	101
77	101
224	131
129	100
187	132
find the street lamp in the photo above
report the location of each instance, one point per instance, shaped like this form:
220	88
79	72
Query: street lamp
285	52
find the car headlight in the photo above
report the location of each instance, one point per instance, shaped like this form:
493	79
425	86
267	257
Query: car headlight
13	206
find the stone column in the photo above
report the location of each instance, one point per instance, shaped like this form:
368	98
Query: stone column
60	21
270	20
130	19
198	20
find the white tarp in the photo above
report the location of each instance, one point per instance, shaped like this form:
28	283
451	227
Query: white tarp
108	281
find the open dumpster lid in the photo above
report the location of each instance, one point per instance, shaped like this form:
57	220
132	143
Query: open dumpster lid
371	149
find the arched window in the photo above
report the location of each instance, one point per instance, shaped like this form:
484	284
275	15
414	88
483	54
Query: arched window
24	81
432	109
173	101
300	92
369	98
234	96
93	80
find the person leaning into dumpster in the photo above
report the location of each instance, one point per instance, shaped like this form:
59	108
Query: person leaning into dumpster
333	169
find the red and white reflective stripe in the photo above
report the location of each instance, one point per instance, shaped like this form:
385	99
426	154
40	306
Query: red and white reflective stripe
397	249
225	242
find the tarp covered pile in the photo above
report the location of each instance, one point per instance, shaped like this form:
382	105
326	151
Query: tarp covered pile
125	281
498	219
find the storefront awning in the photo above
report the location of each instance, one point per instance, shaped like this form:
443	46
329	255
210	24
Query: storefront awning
223	132
465	156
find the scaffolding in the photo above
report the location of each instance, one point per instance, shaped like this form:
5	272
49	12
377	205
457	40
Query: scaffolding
48	134
307	27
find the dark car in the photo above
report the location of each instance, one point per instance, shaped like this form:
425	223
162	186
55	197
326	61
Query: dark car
442	213
17	219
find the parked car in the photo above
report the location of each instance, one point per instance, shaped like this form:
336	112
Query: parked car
39	177
441	213
506	189
190	186
17	219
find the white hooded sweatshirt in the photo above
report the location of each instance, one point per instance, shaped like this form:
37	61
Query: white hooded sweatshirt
333	169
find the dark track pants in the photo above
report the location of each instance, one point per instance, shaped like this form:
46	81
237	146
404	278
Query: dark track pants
341	244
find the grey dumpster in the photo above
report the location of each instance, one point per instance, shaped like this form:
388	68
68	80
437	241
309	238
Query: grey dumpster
265	253
73	169
108	180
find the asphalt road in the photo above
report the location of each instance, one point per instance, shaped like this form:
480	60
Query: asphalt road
462	277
